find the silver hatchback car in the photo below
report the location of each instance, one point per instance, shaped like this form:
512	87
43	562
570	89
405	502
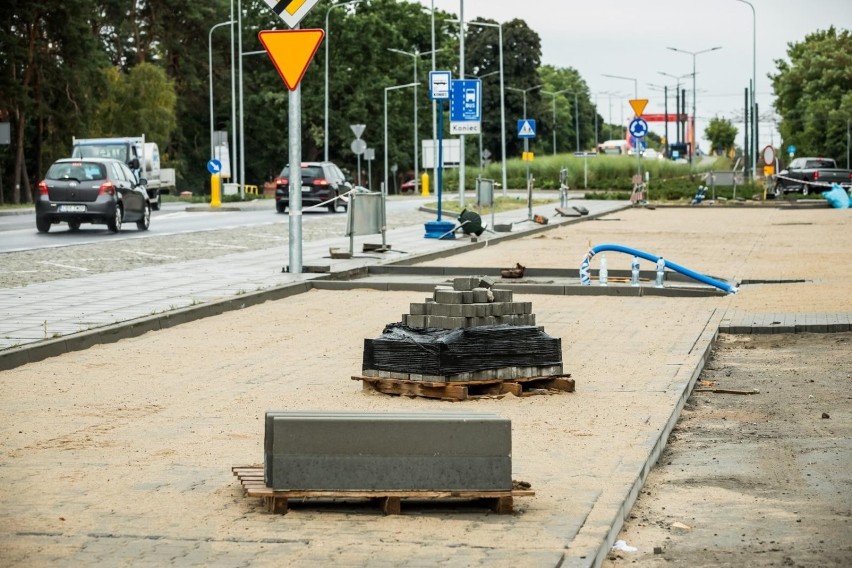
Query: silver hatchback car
91	190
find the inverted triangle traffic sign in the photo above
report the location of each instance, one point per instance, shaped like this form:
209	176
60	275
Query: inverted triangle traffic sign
291	52
638	106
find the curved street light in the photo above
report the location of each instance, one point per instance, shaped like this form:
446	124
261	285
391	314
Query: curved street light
754	87
576	117
694	54
502	95
387	89
327	33
210	70
414	56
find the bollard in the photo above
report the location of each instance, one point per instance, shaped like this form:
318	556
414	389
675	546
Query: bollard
215	190
424	185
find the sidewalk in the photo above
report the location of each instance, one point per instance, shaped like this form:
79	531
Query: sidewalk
121	453
51	318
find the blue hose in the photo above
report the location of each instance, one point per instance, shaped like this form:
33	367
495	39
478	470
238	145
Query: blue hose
585	279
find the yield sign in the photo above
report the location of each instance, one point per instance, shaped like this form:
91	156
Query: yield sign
638	106
291	11
291	52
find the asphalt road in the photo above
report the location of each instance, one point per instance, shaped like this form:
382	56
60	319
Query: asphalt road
176	235
18	232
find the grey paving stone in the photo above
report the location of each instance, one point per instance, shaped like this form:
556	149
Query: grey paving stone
448	297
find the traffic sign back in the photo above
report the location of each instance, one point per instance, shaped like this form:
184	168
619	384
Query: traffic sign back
291	52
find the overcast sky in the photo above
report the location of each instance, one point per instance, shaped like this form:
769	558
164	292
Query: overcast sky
629	38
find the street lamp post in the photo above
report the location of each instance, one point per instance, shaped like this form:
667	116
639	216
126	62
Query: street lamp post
635	83
325	129
524	91
210	70
527	144
694	54
502	95
386	127
677	79
414	55
754	88
576	117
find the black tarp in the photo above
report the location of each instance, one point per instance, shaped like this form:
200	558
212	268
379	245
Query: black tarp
405	349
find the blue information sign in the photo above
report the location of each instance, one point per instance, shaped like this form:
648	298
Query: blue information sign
638	128
214	166
466	106
526	128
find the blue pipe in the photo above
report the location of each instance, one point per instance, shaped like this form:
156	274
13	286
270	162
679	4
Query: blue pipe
585	280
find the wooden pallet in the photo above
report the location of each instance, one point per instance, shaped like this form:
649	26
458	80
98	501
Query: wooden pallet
390	502
465	390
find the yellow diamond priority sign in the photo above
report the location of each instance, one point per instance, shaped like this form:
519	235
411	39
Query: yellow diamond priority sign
291	11
291	51
638	106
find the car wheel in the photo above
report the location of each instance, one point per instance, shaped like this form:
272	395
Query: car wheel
114	224
43	225
332	207
156	206
74	226
280	207
805	189
145	222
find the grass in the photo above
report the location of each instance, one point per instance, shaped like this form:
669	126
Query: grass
500	204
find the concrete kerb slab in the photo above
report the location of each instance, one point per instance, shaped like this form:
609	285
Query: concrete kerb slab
701	350
31	353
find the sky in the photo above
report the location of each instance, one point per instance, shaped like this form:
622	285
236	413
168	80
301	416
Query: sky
630	39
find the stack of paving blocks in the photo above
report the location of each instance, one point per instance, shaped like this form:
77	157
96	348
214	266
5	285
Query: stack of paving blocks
470	302
469	331
397	451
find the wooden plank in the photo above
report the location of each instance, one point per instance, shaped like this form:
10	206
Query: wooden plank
415	388
513	388
391	505
502	505
464	390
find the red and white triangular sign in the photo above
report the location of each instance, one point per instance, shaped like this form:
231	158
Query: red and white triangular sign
291	52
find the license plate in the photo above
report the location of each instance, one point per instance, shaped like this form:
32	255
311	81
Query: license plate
72	208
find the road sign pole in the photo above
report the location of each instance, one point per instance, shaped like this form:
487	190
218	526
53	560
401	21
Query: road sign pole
529	186
295	185
440	154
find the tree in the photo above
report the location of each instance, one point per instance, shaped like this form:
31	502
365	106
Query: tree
521	61
814	93
557	80
141	101
722	134
49	77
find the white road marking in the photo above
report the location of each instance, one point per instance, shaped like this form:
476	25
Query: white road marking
219	245
80	268
152	255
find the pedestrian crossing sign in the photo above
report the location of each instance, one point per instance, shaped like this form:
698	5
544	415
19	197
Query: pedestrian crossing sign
526	128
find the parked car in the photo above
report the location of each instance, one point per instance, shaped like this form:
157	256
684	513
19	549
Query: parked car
91	190
411	186
809	174
321	181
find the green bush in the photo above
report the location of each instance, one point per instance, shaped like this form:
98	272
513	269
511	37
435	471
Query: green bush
604	173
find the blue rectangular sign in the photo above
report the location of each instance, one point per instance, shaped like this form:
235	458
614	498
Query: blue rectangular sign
526	128
466	100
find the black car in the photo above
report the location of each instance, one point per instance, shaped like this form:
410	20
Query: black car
91	190
321	182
